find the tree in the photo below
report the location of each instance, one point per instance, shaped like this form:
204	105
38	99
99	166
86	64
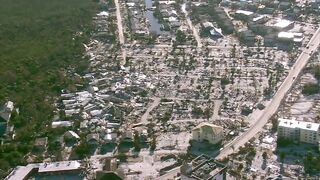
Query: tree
274	121
207	113
136	141
83	149
153	143
122	157
264	155
233	51
310	89
282	156
180	37
317	72
308	163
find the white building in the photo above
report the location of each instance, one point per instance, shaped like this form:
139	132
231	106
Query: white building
57	124
299	131
5	112
283	24
291	36
245	13
209	132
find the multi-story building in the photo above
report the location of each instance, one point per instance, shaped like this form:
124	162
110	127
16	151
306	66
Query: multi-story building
203	168
299	131
209	132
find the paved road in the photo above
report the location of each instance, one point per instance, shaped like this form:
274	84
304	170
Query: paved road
120	29
221	47
119	22
194	30
155	103
272	107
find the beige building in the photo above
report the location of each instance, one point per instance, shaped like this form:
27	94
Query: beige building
299	131
206	131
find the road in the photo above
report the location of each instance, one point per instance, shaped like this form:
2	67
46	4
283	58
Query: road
220	47
272	107
119	22
120	29
194	30
155	103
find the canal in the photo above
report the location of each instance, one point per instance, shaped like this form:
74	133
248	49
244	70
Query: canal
155	26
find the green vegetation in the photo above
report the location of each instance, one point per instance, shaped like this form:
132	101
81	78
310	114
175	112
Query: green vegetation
264	155
246	111
181	37
122	157
310	89
41	47
311	163
153	143
317	72
137	141
214	12
83	149
283	142
274	121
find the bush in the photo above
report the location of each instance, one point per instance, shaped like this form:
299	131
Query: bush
122	157
317	72
246	111
310	89
260	106
282	142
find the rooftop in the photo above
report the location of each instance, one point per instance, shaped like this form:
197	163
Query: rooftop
282	23
298	124
59	166
209	127
289	35
247	13
204	167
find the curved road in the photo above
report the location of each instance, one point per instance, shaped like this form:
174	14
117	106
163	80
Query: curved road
272	107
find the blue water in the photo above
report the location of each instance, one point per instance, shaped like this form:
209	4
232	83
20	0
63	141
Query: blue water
153	21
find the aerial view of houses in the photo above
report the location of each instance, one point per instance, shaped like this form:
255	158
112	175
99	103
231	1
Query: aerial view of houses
165	90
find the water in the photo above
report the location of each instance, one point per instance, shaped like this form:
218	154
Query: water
153	21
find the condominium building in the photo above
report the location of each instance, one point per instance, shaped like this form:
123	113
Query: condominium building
299	131
209	132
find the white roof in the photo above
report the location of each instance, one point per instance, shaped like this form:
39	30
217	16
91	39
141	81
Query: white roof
111	136
258	18
247	13
282	23
74	134
297	39
298	124
172	19
103	13
216	31
286	35
96	112
9	105
130	4
59	166
207	24
21	172
290	35
61	124
70	112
